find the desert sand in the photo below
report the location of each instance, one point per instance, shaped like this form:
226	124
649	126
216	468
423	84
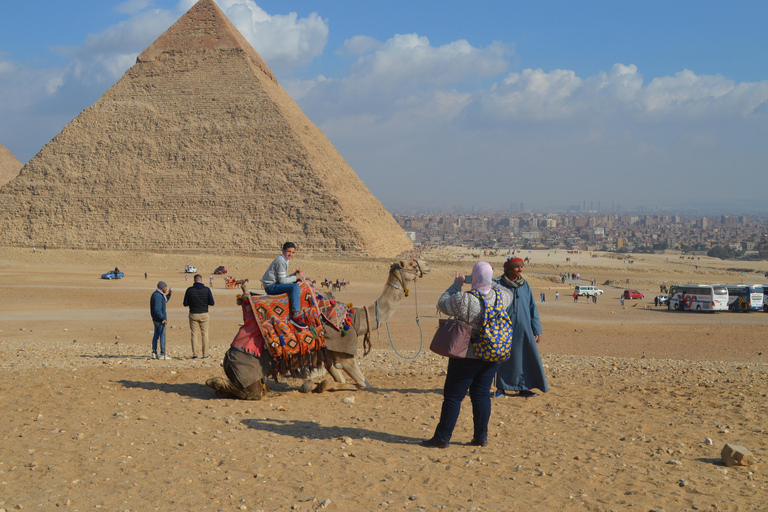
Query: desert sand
641	400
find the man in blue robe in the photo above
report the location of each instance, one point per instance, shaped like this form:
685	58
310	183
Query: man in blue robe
523	370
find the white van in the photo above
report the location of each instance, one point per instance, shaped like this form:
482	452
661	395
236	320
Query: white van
589	291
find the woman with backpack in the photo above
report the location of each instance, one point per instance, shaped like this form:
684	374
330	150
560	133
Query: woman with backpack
484	307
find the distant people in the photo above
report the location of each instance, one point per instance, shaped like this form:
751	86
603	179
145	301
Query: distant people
523	370
34	250
543	297
145	275
575	297
210	280
197	298
45	247
622	300
159	317
557	296
594	299
277	281
186	276
470	373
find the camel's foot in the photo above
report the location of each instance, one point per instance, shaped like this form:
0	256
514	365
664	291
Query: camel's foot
225	389
321	386
306	387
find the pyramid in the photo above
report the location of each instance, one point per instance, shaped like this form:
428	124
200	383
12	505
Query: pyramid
196	147
9	166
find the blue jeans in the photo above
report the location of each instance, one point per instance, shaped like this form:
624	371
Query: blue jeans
294	294
476	376
159	335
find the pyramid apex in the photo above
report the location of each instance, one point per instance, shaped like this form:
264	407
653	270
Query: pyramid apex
203	28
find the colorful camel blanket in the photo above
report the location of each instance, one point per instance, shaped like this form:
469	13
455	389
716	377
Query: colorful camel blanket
336	314
294	351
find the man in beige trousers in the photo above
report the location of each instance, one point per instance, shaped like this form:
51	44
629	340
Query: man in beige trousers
197	298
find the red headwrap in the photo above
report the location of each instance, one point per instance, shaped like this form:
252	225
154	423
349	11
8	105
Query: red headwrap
512	263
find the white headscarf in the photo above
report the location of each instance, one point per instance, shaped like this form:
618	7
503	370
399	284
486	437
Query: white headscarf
482	276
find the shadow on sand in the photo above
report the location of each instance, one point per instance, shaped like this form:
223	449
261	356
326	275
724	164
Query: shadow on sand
187	389
310	430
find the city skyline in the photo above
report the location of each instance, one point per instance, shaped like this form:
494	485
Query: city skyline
433	104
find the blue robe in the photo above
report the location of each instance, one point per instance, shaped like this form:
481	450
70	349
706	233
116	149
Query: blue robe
523	370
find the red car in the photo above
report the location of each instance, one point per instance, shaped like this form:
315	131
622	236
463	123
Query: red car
220	270
633	294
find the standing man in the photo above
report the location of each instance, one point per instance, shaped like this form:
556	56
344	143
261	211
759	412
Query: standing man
523	370
159	317
197	298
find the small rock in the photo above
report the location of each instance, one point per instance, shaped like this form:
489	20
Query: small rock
117	337
349	400
682	482
39	417
325	503
735	455
413	497
79	436
708	441
673	462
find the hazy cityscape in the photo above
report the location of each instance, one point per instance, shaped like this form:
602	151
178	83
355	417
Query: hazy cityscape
721	236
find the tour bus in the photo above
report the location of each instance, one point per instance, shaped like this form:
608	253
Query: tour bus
698	297
745	297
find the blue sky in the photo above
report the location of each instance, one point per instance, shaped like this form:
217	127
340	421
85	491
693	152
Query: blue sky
441	104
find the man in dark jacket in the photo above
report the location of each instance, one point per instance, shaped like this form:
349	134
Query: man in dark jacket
159	317
197	298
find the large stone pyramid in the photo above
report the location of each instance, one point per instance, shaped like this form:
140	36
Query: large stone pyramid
196	147
9	166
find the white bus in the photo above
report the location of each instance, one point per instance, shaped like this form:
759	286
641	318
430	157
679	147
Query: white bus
745	297
698	297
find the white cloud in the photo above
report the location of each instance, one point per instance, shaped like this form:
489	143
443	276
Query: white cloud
359	45
284	41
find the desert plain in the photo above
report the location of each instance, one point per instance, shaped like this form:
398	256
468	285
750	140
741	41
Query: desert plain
641	400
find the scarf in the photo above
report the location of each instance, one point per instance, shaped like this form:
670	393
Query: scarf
510	283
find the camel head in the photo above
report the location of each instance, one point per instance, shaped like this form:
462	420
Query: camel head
406	272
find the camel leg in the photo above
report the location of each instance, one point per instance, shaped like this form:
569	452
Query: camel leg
224	388
350	366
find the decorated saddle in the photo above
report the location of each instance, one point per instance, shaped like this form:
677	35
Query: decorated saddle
294	351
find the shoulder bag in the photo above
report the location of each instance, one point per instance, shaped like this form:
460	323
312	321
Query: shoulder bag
452	337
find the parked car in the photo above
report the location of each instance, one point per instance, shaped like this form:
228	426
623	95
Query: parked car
589	291
112	274
189	269
633	294
661	300
220	270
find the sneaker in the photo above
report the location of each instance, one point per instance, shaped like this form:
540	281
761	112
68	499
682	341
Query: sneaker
498	393
478	442
194	357
206	357
298	323
154	355
165	356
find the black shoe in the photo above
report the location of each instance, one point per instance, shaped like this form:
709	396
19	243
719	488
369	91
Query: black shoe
528	394
477	442
434	443
299	324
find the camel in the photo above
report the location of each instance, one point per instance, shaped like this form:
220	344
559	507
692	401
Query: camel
246	374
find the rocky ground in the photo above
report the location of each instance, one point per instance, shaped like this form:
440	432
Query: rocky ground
641	401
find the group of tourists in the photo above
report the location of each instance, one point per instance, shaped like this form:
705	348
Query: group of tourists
507	299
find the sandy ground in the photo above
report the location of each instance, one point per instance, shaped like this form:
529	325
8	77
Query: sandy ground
641	401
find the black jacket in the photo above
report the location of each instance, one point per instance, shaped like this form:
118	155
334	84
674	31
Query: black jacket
198	297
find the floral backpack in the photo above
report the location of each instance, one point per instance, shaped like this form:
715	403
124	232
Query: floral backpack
494	342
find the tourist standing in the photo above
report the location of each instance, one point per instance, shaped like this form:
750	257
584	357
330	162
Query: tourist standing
469	373
159	318
523	370
197	298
